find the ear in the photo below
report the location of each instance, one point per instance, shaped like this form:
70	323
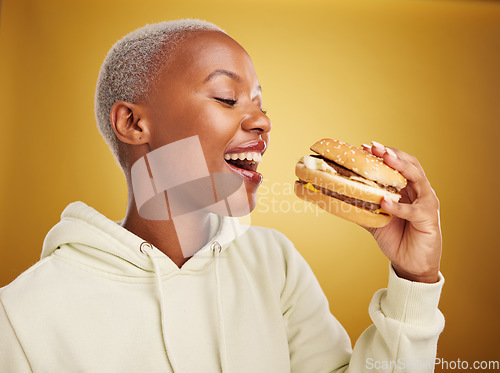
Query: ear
128	124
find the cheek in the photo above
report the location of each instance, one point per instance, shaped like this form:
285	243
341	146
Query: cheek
215	133
177	119
217	123
215	127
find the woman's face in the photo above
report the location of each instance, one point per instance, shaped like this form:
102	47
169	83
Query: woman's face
209	89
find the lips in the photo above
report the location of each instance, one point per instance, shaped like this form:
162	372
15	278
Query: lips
244	159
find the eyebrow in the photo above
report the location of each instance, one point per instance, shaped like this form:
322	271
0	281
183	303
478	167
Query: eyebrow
228	73
217	72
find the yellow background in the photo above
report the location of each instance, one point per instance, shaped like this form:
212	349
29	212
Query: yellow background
422	76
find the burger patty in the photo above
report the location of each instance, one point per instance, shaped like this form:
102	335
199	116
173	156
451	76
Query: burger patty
350	200
348	173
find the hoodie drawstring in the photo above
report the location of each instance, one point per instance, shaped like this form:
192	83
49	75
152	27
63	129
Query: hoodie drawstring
147	248
216	250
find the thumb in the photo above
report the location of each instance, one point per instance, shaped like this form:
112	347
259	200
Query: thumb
401	210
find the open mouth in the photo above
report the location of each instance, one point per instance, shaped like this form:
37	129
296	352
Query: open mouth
246	161
245	165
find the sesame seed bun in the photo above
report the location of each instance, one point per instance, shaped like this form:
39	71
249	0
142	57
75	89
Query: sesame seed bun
359	161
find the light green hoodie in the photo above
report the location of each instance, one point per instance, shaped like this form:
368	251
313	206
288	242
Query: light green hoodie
102	300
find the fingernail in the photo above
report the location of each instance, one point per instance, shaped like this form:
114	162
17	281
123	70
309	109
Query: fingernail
391	153
388	200
366	146
378	145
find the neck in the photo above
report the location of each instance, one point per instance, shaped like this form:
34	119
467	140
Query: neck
179	238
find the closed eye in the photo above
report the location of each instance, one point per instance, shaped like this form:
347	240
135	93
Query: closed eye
226	101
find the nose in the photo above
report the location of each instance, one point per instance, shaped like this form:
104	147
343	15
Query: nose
256	121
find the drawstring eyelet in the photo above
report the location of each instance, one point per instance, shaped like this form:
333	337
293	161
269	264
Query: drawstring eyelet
143	246
216	247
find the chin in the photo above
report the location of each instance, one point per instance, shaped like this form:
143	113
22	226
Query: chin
252	201
238	204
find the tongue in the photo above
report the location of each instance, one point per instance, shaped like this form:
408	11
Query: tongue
247	169
251	175
244	164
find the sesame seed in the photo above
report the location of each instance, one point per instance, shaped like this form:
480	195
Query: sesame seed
352	159
327	150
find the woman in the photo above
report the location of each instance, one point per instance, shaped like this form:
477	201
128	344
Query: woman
178	285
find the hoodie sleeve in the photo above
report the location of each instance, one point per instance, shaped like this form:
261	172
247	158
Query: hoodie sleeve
406	326
12	357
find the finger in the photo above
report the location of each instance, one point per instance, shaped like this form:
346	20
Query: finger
380	150
377	149
366	147
410	212
408	170
413	173
409	158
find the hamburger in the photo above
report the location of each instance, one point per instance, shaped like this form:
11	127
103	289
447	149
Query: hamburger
348	182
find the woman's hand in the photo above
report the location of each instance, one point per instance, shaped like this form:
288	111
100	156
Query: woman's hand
412	239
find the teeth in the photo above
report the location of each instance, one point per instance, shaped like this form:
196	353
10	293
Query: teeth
250	156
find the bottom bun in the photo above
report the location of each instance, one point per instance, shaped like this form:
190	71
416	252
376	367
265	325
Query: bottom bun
342	209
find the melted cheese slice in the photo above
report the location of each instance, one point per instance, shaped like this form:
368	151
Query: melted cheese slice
311	187
314	163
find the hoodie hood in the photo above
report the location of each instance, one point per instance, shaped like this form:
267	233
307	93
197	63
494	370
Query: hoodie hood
110	247
98	243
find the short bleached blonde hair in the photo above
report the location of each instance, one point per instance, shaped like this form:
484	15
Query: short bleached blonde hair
133	65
